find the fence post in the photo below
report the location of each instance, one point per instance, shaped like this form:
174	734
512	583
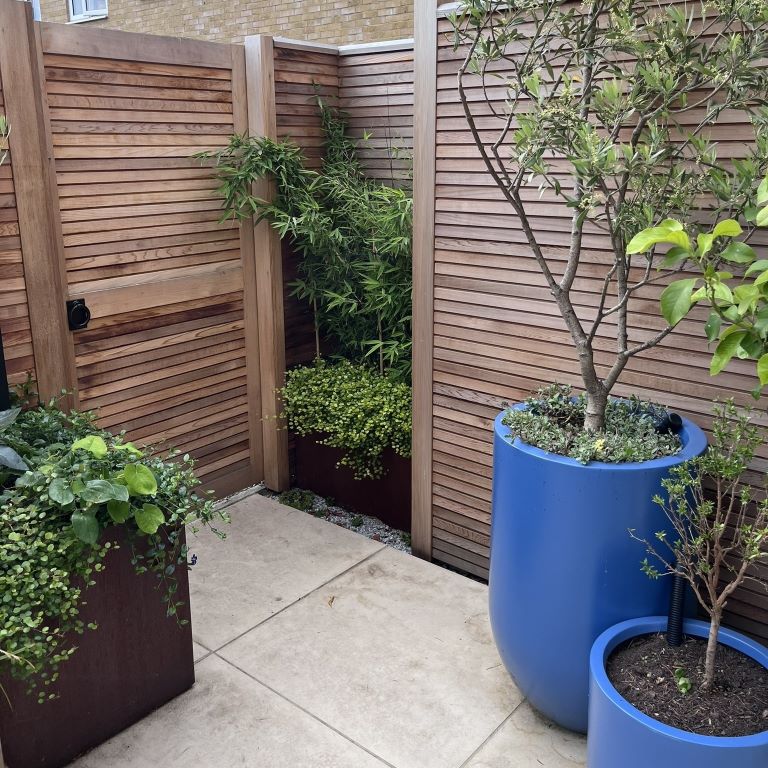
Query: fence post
37	204
425	116
250	283
262	121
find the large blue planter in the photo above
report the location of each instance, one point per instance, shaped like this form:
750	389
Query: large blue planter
563	566
621	735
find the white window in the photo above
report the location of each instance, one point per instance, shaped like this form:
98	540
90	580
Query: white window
85	10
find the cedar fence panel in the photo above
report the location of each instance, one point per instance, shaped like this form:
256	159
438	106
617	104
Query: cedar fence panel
491	333
14	313
373	86
103	200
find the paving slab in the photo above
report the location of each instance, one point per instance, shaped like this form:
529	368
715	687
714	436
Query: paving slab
199	651
272	556
527	740
396	654
226	721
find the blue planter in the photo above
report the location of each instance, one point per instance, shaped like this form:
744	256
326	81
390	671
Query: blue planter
563	566
621	735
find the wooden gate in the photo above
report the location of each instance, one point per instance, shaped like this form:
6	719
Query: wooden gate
126	219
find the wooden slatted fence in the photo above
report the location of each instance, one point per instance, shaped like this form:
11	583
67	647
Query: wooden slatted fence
103	200
488	333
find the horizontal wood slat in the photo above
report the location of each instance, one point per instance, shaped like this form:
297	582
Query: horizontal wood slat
165	355
498	335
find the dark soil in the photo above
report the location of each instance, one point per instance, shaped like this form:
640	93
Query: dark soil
643	671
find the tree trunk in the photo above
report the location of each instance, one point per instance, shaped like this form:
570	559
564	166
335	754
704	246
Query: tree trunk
597	402
709	659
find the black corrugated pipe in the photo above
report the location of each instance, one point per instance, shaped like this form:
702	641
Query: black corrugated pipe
5	393
676	609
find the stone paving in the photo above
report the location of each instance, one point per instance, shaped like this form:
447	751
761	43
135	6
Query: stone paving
319	648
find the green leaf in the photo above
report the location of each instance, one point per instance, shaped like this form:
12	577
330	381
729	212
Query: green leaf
149	518
712	326
726	349
140	480
60	493
119	511
761	265
705	244
86	527
674	257
762	218
739	253
762	369
648	238
9	458
762	192
101	491
727	228
676	300
128	447
8	417
92	443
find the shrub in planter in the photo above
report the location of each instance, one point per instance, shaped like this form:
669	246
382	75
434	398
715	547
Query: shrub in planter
595	117
70	492
352	408
353	429
696	712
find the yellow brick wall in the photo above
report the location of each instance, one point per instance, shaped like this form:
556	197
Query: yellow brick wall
326	21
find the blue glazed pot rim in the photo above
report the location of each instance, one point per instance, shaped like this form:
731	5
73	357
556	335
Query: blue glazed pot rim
617	634
692	437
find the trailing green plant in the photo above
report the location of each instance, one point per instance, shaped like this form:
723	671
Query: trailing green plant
353	234
57	523
553	420
609	109
738	321
720	525
351	407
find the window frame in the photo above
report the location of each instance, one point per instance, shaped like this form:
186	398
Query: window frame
100	13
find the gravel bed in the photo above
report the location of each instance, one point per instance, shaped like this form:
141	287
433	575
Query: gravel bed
371	527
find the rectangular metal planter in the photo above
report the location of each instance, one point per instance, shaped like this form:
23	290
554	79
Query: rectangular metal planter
137	660
388	498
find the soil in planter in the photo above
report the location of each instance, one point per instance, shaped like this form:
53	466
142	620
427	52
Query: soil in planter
643	671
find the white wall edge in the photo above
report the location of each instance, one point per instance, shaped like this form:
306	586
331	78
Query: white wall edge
446	9
303	45
406	44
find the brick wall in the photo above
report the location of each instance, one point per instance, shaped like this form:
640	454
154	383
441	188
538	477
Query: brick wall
327	21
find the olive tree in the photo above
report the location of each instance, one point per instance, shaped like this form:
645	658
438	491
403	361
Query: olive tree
610	106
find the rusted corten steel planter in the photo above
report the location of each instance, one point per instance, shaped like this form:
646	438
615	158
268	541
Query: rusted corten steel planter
137	660
388	498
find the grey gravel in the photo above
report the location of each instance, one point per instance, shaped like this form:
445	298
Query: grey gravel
371	527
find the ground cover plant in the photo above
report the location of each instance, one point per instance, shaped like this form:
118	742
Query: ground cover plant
350	407
554	417
58	514
609	108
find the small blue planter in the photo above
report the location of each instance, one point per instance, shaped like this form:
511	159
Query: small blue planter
621	735
563	566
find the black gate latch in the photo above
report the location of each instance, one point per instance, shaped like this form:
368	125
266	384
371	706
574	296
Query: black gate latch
78	314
